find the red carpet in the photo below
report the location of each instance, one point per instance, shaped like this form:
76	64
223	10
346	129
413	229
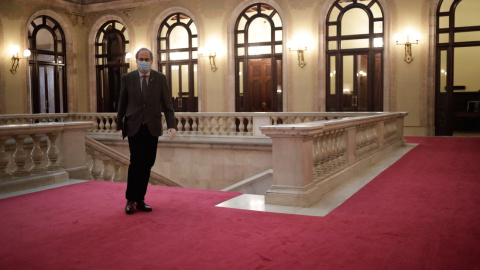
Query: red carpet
421	213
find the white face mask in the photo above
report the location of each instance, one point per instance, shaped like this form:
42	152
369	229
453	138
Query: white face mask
143	66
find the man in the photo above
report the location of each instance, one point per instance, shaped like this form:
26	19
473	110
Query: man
143	95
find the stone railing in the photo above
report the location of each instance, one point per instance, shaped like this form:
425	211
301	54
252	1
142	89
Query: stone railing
38	154
310	159
214	123
108	164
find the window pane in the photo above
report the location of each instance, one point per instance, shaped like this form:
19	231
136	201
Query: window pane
446	4
332	31
240	77
278	48
443	71
466	67
60	87
46	58
195	89
345	3
163	33
333	75
178	38
467	36
334	14
118	26
195	55
355	43
60	46
277	22
378	42
175	80
241	51
378	27
256	50
193	29
185	80
194	42
355	22
179	56
443	38
41	82
347	74
38	21
466	13
278	35
266	10
443	22
332	45
259	31
51	90
44	40
163	44
240	38
60	60
241	24
377	12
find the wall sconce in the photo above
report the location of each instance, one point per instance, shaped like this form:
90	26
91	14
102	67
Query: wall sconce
211	57
300	50
15	59
408	45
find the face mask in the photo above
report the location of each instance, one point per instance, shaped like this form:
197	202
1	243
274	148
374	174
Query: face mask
143	66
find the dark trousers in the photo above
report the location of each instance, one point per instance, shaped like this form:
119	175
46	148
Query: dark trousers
143	151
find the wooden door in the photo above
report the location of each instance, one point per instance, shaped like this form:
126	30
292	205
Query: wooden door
260	85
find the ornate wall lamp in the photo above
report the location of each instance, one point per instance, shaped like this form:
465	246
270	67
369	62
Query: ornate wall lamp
408	45
211	57
300	49
15	59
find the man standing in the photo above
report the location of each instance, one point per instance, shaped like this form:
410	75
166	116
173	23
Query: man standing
143	95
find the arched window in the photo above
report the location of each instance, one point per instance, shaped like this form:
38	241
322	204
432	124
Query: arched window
258	60
458	61
111	45
355	56
48	78
178	60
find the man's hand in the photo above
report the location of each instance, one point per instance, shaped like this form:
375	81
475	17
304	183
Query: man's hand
173	133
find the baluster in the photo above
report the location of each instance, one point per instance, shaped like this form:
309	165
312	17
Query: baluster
180	125
106	173
37	155
3	159
217	125
233	127
52	153
250	125
209	125
241	126
108	125
101	125
95	123
116	171
20	156
95	171
225	125
114	124
187	125
200	125
194	125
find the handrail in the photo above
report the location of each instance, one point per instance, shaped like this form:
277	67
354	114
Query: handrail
157	178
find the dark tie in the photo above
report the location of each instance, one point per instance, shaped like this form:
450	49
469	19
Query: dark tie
144	86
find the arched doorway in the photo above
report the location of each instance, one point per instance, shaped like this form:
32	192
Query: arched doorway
48	77
111	45
178	59
258	60
457	84
354	56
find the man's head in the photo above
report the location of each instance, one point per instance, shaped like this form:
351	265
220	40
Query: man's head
144	59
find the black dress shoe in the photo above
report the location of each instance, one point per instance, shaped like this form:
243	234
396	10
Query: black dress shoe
130	207
142	206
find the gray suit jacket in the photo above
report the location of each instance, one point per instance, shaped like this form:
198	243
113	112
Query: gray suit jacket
134	109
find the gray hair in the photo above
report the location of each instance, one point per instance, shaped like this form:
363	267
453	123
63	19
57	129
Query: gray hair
144	49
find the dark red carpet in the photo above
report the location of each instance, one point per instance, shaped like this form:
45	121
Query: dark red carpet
421	213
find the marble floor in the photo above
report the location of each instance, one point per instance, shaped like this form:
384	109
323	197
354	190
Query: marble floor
257	202
329	201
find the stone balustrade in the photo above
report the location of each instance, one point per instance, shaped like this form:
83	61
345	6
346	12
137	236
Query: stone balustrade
309	159
191	124
41	153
